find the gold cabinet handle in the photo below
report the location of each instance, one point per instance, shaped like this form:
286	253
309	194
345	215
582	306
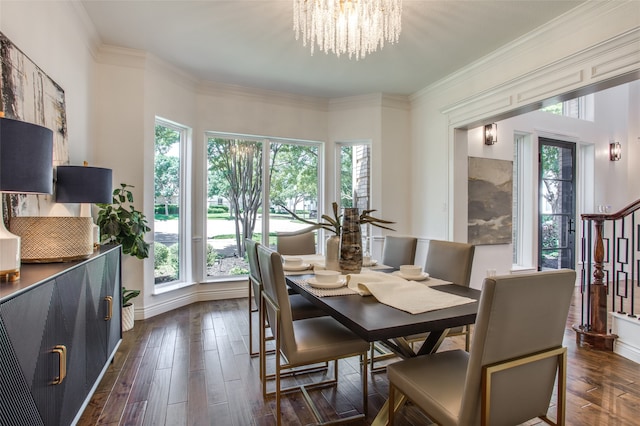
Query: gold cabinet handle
109	300
61	350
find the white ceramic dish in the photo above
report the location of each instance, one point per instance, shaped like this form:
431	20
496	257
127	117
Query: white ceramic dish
326	276
292	268
372	263
411	270
292	260
422	276
342	281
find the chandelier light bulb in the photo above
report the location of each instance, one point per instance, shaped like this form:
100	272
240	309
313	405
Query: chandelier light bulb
353	27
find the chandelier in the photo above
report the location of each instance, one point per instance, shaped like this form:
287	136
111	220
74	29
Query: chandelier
356	27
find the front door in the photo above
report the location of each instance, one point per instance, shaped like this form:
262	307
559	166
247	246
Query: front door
557	206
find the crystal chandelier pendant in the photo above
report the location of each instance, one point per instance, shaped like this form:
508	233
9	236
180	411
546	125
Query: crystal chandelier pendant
354	27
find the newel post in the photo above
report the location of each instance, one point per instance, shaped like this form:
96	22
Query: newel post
595	334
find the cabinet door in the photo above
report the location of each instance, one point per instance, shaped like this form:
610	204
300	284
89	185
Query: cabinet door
112	286
70	291
97	317
22	322
37	322
104	329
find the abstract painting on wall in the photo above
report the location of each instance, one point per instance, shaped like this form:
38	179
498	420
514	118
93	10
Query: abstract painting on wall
490	201
28	94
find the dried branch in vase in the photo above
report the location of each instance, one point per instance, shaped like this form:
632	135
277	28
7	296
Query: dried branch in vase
332	224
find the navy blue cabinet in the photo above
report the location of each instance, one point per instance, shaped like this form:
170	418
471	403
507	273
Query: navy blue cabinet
59	328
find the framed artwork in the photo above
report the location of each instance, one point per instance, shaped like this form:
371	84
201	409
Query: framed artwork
490	201
28	94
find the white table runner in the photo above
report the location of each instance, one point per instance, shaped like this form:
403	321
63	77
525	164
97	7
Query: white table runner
409	296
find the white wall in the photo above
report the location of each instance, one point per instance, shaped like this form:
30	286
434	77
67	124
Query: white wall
610	122
603	45
54	37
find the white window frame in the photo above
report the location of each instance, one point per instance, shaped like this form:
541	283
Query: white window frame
185	276
266	155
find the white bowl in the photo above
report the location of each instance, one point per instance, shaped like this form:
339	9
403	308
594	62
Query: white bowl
292	261
411	270
327	276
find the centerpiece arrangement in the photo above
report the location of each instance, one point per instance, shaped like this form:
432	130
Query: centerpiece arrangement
344	248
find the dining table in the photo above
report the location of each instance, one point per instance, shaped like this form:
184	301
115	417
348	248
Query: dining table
374	321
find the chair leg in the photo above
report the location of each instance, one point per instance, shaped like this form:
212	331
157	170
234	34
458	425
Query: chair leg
278	409
392	404
365	385
263	351
251	351
467	337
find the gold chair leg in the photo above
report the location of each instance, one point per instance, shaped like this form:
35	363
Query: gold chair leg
392	411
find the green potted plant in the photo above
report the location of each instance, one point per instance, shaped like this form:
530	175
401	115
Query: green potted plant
128	308
121	223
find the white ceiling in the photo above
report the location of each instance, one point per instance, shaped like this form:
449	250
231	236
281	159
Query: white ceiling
252	43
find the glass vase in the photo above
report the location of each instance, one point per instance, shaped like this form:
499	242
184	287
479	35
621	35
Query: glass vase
350	242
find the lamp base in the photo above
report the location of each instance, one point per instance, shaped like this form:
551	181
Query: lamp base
54	239
10	276
9	254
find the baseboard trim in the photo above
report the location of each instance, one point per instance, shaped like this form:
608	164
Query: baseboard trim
628	331
203	293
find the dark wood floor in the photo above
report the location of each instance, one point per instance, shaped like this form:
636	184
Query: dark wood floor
191	367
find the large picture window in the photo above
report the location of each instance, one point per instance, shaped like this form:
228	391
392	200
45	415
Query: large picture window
249	181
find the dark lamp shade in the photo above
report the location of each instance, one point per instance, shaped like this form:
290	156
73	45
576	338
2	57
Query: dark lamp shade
26	157
82	184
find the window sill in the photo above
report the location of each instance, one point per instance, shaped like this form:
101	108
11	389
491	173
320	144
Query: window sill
171	287
227	279
520	269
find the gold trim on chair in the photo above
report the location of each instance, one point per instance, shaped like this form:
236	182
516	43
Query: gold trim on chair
489	370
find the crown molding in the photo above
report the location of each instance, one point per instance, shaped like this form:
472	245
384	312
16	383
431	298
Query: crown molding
261	95
92	39
618	57
379	100
122	56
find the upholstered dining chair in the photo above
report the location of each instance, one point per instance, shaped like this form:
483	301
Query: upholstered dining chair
303	342
450	261
508	376
293	243
300	307
398	250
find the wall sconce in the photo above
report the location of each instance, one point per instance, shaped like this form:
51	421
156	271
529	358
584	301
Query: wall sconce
26	167
615	151
490	134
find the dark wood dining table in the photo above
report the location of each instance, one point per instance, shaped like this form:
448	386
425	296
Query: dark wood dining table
377	322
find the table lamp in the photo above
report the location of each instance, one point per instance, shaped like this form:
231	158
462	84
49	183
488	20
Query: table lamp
84	184
26	167
49	239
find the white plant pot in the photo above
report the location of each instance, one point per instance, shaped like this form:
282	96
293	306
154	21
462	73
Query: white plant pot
127	317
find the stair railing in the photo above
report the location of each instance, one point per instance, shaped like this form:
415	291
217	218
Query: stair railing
610	272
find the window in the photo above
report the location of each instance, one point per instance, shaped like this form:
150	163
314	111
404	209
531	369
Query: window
354	181
169	190
580	108
524	204
249	182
